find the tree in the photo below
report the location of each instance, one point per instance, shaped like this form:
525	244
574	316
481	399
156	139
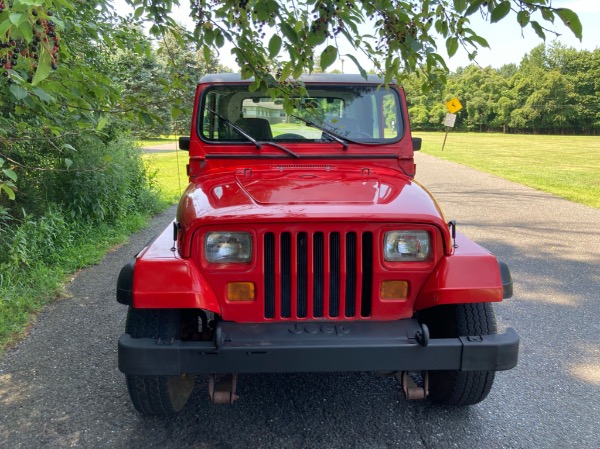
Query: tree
185	65
402	38
140	78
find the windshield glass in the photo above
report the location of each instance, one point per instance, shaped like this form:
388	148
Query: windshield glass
363	114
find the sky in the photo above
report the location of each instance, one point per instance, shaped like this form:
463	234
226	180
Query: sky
508	43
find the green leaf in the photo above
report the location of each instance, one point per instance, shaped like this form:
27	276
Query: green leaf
460	5
538	29
315	39
43	70
209	36
175	112
328	56
362	71
474	6
219	39
480	40
101	124
246	72
146	118
523	18
10	174
287	70
571	20
32	2
4	26
68	163
452	46
10	192
18	92
274	46
138	12
15	18
548	15
26	31
289	32
500	12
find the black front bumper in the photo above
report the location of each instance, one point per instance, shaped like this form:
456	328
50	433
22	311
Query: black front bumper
314	347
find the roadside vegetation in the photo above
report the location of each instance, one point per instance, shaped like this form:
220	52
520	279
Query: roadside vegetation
73	182
62	220
566	166
168	170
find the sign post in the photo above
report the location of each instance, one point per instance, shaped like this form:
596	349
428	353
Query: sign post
453	106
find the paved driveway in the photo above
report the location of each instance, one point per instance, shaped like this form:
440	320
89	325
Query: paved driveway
61	388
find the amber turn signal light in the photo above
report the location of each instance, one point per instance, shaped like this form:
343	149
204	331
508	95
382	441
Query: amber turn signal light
240	291
394	290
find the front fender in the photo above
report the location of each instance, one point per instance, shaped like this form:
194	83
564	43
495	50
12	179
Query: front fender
470	274
159	278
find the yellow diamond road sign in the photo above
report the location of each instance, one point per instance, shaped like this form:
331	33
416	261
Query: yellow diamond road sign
454	105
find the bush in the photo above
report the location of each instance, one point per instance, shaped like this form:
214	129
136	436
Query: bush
112	183
65	216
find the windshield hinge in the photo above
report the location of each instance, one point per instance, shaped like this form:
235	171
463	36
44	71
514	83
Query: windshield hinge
245	172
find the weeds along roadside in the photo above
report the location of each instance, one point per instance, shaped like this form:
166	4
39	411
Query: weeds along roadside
65	220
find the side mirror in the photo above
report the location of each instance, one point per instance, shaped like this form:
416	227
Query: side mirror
184	143
416	141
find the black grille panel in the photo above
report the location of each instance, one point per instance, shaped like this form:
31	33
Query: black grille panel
318	274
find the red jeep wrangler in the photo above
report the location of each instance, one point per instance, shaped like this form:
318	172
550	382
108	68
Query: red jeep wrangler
303	243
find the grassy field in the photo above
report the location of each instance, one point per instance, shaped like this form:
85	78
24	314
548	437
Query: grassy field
168	178
158	140
566	166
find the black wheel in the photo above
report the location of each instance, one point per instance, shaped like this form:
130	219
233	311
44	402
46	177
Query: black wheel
157	395
459	388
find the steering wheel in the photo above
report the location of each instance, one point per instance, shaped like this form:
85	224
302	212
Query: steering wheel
359	135
289	136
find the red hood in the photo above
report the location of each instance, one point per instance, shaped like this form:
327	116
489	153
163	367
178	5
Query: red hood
306	193
314	187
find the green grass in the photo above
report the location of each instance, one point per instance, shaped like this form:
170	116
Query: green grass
170	181
566	166
157	140
25	292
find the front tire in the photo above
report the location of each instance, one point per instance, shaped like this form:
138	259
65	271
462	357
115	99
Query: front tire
460	388
157	395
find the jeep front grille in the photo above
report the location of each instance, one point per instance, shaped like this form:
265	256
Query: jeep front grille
318	274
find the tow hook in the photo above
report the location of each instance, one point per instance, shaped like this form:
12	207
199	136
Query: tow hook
414	390
221	388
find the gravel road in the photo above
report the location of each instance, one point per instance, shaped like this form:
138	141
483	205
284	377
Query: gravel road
61	388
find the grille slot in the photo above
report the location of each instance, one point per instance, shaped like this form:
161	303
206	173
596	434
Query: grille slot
318	274
269	249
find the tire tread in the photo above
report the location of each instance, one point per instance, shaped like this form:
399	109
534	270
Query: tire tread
155	395
460	388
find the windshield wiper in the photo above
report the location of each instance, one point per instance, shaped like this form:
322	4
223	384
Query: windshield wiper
338	139
250	138
281	147
237	128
